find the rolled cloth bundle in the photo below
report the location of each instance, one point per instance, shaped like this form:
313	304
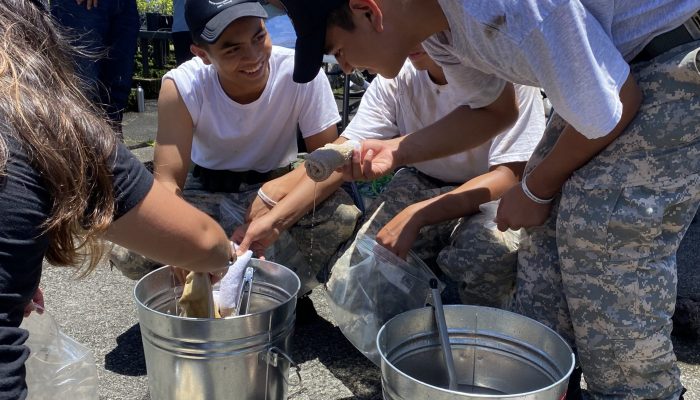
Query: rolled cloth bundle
197	300
321	163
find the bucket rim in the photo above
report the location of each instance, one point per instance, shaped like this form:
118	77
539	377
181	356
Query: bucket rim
143	306
385	361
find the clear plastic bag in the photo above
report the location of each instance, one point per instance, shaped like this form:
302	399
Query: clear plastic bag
371	288
58	367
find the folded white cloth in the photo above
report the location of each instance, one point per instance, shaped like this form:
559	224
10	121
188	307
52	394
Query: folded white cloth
321	162
231	285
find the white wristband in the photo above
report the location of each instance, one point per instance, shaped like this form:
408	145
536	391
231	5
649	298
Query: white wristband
266	199
531	196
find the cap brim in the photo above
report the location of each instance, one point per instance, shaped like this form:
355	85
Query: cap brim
217	25
308	56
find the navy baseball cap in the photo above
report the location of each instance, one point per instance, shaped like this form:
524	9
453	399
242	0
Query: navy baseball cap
207	19
309	18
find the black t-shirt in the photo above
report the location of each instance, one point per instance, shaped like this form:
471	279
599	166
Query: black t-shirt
24	206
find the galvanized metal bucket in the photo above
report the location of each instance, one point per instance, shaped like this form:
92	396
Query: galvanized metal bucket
242	358
497	355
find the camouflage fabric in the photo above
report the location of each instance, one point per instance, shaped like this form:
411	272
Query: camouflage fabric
470	251
482	260
602	270
304	248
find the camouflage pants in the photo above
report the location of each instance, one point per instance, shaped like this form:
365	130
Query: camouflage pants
479	258
602	270
304	249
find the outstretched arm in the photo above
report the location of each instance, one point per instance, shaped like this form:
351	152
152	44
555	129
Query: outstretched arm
462	129
399	234
167	229
293	201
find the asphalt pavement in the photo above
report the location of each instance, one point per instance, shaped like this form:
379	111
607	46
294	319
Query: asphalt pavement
99	312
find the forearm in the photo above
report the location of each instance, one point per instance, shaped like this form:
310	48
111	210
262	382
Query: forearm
278	188
573	150
167	229
466	199
170	170
300	200
462	129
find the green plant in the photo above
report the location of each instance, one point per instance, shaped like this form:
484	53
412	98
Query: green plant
164	7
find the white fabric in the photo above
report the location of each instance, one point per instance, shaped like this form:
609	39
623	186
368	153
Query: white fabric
411	101
576	50
259	136
321	162
231	285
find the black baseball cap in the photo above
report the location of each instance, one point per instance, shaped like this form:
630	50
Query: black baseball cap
309	18
207	19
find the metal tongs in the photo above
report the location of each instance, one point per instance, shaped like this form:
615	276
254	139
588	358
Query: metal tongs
443	334
246	292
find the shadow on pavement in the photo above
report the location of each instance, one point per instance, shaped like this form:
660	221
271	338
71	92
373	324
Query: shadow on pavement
127	357
316	338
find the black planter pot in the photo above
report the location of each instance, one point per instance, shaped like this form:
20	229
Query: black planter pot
152	21
165	23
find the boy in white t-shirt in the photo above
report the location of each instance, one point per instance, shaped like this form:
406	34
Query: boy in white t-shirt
612	187
234	111
432	207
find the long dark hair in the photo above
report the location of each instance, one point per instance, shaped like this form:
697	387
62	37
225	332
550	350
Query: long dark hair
67	139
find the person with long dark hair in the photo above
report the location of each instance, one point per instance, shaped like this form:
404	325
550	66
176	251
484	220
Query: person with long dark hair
65	183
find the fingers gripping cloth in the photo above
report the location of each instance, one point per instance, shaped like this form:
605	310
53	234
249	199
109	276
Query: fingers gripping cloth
321	163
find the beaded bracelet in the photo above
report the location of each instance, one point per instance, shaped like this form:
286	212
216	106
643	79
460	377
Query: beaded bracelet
531	195
266	199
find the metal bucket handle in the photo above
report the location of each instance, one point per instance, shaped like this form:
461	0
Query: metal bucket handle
271	358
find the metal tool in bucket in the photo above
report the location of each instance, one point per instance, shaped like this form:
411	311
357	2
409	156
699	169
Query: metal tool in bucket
497	354
243	357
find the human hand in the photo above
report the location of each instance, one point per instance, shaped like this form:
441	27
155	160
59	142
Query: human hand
256	235
257	209
36	304
516	211
375	159
89	4
399	234
276	190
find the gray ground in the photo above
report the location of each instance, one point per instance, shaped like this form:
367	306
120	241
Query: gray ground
99	312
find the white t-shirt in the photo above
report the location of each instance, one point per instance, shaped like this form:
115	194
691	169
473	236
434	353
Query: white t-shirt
576	50
412	101
261	135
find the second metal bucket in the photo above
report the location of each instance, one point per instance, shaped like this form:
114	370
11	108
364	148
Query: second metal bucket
242	358
497	355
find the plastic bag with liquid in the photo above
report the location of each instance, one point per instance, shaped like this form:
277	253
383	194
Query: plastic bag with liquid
372	287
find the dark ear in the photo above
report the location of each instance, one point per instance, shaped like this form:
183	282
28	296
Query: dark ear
370	10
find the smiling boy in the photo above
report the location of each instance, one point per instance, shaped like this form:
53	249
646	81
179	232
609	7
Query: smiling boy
613	185
233	111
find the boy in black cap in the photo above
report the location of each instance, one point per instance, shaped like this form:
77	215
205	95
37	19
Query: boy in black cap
613	184
234	111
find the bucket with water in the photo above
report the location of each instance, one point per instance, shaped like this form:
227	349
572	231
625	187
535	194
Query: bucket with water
497	355
243	357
